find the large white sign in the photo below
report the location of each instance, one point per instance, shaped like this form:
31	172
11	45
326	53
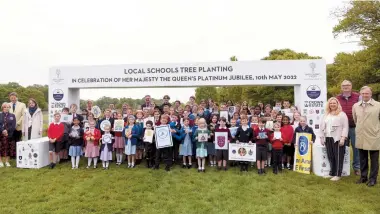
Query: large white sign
307	76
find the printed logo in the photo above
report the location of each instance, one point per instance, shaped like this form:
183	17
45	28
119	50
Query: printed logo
305	111
311	122
313	75
313	92
311	111
315	104
221	141
303	145
57	79
317	111
58	105
58	94
316	126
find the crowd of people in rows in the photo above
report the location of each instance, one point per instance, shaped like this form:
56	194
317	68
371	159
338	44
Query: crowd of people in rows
86	135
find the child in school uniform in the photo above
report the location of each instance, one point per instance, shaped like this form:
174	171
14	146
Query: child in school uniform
222	154
131	134
92	137
210	145
233	130
287	136
175	127
157	116
303	128
140	143
186	150
244	134
63	154
150	146
55	133
119	144
75	142
201	144
106	147
194	145
262	140
277	142
167	152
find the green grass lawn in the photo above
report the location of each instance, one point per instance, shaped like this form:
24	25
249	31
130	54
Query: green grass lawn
141	190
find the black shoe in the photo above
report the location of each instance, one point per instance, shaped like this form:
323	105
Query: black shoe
362	181
263	171
189	166
241	168
203	170
156	167
167	169
225	169
259	171
183	166
53	165
371	183
275	171
199	170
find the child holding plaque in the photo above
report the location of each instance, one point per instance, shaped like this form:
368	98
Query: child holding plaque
277	145
91	138
287	136
202	134
106	147
119	144
244	134
131	135
186	144
75	143
167	152
222	154
262	139
150	145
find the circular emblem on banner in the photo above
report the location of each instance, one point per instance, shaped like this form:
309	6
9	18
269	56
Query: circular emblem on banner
104	123
313	92
242	151
58	94
303	145
95	110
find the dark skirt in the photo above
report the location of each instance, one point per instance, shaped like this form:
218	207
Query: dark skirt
7	147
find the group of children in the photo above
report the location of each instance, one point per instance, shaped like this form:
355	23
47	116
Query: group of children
193	133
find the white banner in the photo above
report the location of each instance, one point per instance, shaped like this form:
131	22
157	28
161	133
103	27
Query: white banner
242	152
321	164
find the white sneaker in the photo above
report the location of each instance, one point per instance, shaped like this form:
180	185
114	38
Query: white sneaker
327	176
336	178
1	164
7	164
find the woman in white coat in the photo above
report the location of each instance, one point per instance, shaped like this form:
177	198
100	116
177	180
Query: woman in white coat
334	133
33	121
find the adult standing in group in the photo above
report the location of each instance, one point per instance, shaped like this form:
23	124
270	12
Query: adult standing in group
148	102
347	99
18	109
7	128
33	121
334	132
165	102
366	114
73	111
89	105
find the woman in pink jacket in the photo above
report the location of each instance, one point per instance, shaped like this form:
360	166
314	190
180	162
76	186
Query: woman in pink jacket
334	132
33	121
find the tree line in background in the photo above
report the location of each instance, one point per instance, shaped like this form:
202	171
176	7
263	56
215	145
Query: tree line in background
359	19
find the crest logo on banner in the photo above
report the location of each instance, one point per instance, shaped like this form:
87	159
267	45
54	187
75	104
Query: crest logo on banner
313	75
57	79
313	92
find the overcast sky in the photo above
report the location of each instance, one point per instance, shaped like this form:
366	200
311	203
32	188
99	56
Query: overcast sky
36	35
